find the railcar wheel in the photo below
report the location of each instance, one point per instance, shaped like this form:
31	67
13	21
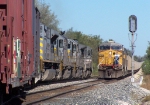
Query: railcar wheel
79	74
59	74
1	96
74	73
90	72
2	93
84	74
32	83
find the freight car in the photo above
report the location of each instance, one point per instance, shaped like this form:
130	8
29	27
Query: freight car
32	52
112	60
19	28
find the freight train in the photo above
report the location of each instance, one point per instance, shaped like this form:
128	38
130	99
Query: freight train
32	52
113	60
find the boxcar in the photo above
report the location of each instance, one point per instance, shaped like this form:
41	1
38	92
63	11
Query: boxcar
19	29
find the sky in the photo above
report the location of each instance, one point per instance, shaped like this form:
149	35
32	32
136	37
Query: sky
107	18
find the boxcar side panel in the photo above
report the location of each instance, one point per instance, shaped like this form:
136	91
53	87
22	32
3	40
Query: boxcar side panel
16	46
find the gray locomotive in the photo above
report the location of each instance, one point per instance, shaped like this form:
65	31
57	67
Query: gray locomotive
62	58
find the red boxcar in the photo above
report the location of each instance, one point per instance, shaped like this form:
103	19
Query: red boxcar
18	45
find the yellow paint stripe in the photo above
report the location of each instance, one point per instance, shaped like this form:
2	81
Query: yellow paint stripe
41	44
68	51
41	51
41	57
41	38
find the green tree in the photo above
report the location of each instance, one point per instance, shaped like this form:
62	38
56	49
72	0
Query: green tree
146	64
129	52
92	41
139	58
47	17
148	51
146	67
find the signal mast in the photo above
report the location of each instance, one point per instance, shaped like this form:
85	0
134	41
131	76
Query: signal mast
132	29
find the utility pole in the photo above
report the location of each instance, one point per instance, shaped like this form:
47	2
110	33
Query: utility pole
132	29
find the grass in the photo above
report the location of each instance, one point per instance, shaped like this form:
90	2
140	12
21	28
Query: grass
147	98
146	85
95	72
146	82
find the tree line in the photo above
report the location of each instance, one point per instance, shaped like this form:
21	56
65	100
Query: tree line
92	41
146	64
50	19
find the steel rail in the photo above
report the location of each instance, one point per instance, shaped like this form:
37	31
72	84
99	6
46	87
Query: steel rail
62	93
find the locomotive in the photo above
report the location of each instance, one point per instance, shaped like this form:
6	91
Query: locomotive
61	57
32	52
112	60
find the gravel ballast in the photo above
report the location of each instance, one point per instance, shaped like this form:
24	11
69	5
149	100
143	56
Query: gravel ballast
57	85
118	93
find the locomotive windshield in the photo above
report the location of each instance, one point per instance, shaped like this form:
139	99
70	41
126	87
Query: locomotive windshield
74	47
82	52
89	52
41	29
61	43
68	46
116	47
104	47
55	42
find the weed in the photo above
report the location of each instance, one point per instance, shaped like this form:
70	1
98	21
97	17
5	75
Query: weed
146	82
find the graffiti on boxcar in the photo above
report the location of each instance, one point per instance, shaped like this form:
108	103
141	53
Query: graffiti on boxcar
16	57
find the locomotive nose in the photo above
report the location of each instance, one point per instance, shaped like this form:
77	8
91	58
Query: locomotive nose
109	58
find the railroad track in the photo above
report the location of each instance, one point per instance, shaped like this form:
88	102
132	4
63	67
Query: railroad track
130	72
44	95
41	96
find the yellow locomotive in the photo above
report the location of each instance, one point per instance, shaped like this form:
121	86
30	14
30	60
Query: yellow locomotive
112	60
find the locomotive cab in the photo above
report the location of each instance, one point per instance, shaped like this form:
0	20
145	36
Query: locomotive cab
70	48
88	61
85	60
75	49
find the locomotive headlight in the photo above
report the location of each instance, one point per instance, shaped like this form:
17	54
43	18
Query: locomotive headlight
110	52
68	51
